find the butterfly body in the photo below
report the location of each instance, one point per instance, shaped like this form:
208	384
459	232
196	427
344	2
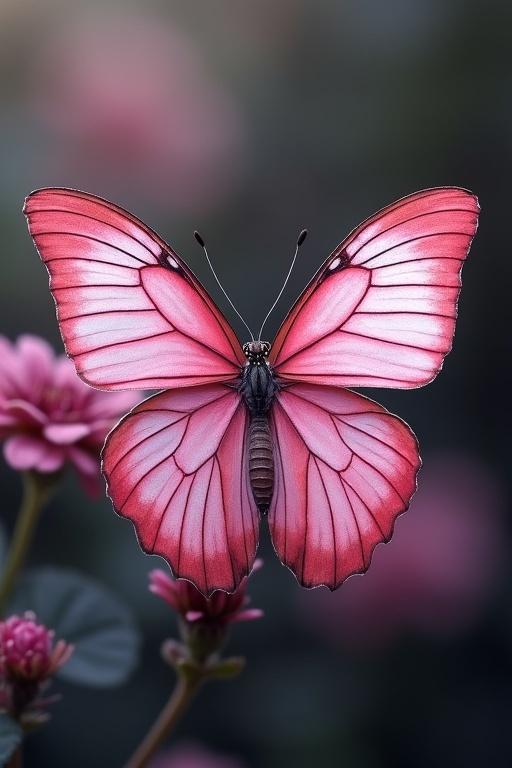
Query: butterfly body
258	388
236	432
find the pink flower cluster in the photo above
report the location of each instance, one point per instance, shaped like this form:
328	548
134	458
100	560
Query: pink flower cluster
219	610
29	658
48	416
27	650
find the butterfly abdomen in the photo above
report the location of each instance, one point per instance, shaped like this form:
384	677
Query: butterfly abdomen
261	462
258	387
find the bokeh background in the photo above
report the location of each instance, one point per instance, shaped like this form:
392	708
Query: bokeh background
248	121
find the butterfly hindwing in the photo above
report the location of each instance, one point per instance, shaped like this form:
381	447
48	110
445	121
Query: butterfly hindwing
345	469
131	313
176	466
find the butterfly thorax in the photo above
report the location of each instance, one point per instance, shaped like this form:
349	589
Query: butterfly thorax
258	387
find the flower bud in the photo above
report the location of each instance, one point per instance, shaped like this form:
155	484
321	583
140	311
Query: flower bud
203	621
193	608
27	650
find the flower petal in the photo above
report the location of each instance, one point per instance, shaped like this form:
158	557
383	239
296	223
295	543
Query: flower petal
25	412
109	405
249	615
24	451
192	616
37	359
88	468
99	431
85	463
64	373
52	460
93	485
66	434
161	584
6	421
11	370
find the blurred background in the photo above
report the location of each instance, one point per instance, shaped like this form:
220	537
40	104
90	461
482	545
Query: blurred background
249	121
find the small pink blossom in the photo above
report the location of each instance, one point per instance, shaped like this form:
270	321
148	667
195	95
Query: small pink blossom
219	610
192	755
28	652
48	416
437	573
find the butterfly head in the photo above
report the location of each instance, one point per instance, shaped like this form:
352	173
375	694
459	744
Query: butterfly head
257	352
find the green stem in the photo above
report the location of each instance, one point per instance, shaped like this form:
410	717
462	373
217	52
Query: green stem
36	490
179	702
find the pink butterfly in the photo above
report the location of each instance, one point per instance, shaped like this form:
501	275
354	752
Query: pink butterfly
240	431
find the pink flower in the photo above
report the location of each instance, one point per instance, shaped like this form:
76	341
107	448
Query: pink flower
437	573
48	416
29	657
194	756
27	650
127	102
219	610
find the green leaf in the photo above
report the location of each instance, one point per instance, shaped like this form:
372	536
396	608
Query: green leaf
84	613
10	737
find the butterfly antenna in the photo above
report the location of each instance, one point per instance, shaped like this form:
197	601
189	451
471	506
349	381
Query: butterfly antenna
300	240
203	246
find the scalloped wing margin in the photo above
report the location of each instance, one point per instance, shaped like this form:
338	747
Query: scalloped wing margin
353	473
131	313
176	466
381	311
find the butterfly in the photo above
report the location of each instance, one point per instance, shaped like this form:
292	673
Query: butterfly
241	431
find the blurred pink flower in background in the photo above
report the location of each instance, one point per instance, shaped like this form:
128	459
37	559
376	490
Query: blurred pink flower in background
437	573
220	610
48	416
127	101
194	756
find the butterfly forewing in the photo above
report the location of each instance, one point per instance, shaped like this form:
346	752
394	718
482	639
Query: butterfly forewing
131	314
381	311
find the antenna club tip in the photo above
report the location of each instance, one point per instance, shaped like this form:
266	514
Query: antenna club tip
302	237
199	238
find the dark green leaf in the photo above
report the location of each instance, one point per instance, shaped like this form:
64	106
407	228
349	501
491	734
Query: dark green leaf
83	613
10	737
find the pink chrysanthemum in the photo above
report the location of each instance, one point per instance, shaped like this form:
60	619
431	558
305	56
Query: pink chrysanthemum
48	416
219	610
28	652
